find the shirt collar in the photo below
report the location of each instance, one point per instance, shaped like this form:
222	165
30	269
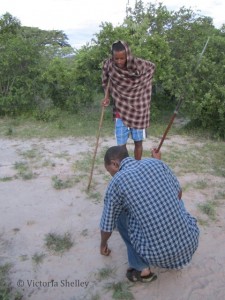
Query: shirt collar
126	162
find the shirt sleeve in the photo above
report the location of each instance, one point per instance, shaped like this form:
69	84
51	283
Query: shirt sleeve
172	180
112	208
175	185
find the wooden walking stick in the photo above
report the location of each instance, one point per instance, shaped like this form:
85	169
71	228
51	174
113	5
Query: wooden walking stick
98	135
170	124
179	102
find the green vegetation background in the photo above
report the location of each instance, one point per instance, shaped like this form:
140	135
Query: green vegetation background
44	80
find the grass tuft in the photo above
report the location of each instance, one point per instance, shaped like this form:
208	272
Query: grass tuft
95	297
120	290
6	178
220	195
6	290
209	209
105	273
38	258
60	184
24	170
58	243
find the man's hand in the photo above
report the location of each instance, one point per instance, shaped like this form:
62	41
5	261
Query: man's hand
104	250
156	154
105	102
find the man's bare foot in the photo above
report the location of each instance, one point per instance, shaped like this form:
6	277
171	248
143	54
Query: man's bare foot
145	272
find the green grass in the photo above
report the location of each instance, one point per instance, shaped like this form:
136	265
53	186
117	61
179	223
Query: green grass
95	297
6	290
48	163
83	165
6	178
120	291
199	185
24	257
220	195
105	273
60	184
82	170
24	170
94	195
63	154
31	154
85	123
206	157
58	243
4	282
20	166
9	132
38	258
209	208
84	232
203	222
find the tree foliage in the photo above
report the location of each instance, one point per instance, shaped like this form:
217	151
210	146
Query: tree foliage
25	54
39	70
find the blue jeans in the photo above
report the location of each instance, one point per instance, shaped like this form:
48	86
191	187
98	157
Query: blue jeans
134	260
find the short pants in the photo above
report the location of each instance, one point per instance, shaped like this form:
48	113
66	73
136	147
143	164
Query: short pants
122	133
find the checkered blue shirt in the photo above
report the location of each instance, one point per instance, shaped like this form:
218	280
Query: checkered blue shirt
162	232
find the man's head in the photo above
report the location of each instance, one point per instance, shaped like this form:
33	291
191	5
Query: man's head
119	55
113	157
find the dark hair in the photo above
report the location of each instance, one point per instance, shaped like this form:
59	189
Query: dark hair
115	152
117	47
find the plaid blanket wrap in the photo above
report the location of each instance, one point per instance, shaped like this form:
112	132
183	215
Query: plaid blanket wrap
130	89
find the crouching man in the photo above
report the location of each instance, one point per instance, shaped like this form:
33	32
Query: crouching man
143	201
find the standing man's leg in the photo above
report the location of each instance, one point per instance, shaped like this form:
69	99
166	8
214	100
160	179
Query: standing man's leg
138	136
121	132
138	149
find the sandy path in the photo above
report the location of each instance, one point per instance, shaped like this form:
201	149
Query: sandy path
30	209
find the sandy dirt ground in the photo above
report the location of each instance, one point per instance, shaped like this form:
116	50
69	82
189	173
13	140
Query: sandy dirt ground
33	208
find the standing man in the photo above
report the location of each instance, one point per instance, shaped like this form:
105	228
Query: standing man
143	201
130	85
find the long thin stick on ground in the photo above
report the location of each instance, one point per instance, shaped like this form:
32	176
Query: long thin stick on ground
97	141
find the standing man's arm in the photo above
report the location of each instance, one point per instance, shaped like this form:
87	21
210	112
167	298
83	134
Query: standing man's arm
156	154
106	100
104	250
